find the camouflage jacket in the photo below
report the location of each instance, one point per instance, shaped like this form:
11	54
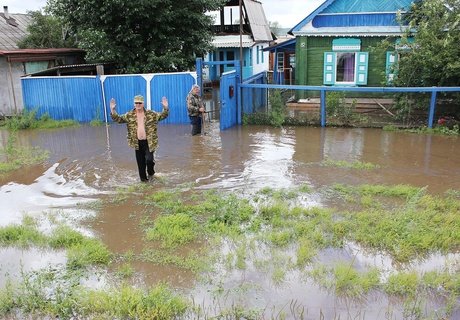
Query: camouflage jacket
150	122
193	104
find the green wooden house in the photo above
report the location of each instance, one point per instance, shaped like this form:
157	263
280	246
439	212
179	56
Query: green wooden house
333	44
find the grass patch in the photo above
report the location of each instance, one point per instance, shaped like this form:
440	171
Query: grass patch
173	230
402	284
272	232
415	229
81	251
29	120
359	165
22	235
15	157
194	262
88	252
438	130
68	299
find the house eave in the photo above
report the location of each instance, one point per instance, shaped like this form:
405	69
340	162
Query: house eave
371	31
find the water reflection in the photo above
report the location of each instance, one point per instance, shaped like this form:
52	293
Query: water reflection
90	162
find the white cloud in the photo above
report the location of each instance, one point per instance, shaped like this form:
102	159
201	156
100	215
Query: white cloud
288	13
22	6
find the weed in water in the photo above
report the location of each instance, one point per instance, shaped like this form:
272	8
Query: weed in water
88	252
17	156
194	262
173	230
7	302
21	236
305	252
350	165
131	303
28	119
280	238
124	271
278	275
402	284
65	237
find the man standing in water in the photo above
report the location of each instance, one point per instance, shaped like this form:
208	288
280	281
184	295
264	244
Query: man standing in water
195	109
142	132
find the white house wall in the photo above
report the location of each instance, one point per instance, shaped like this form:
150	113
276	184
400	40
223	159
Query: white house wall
261	66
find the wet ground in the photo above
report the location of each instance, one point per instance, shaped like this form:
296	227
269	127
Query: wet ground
88	163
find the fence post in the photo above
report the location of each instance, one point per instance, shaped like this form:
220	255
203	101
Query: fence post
239	92
432	108
323	107
199	72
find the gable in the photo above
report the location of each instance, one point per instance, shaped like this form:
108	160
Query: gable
353	17
377	6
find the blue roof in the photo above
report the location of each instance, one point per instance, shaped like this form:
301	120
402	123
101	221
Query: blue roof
355	6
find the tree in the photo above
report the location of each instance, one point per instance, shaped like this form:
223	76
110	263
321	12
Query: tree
140	35
275	28
46	32
434	55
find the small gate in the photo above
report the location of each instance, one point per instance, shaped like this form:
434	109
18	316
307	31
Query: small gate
230	112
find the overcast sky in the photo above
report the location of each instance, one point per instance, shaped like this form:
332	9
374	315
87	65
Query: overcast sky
286	12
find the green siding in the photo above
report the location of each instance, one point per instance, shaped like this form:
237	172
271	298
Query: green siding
310	61
377	61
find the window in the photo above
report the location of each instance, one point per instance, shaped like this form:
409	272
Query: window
392	59
346	64
345	67
280	58
230	57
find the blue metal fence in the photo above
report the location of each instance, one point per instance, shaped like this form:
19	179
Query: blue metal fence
255	100
77	98
251	84
174	86
85	98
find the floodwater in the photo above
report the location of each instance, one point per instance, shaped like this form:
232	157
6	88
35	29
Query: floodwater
88	163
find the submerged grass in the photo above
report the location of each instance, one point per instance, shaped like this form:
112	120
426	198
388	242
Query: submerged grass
81	250
28	119
210	232
350	164
68	299
14	156
173	230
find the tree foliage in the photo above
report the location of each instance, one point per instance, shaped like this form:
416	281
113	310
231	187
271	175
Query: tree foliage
140	35
434	56
46	31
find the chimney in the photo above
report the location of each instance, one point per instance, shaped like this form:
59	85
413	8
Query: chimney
5	12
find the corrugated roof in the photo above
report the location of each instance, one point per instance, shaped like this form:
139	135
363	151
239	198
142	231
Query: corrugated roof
353	6
12	30
232	41
258	21
40	51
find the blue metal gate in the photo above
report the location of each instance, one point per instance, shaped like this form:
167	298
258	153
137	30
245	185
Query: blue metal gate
229	111
230	98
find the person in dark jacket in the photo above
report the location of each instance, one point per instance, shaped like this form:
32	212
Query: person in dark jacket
195	109
142	132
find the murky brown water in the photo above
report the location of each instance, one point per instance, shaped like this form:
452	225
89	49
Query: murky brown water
87	163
